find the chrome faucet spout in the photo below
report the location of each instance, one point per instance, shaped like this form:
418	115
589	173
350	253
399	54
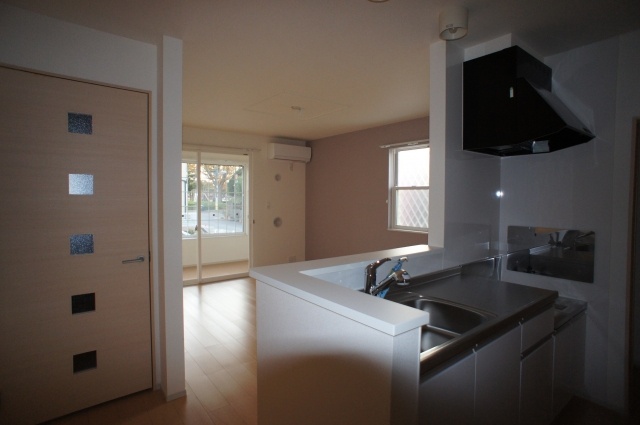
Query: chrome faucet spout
370	274
397	276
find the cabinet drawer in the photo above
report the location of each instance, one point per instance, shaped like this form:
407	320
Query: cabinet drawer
536	329
536	386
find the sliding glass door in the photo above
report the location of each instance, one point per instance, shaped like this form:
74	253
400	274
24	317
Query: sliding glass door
215	231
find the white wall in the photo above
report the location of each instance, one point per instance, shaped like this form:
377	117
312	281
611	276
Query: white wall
45	44
573	188
40	43
215	250
270	198
463	207
588	187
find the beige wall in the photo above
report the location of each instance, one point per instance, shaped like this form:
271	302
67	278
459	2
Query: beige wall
346	191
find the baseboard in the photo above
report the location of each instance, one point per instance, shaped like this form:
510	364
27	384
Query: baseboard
174	396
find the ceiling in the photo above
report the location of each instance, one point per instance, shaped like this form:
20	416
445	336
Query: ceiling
309	69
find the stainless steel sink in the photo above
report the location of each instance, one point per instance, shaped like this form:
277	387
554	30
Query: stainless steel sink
446	320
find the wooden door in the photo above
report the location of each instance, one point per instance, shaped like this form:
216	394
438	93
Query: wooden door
75	320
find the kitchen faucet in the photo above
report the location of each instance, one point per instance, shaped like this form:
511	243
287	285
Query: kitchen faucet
370	274
397	275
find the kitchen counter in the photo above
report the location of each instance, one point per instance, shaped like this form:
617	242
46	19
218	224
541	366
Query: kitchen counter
333	283
566	309
508	303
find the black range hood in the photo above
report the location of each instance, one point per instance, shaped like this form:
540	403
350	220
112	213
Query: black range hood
509	109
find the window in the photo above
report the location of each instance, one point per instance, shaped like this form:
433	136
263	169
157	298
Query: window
409	188
216	189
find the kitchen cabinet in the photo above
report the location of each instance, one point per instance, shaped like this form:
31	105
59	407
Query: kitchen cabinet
536	329
568	361
536	370
536	385
498	380
506	380
447	394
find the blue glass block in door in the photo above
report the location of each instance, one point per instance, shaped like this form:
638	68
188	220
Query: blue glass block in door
81	244
80	184
80	123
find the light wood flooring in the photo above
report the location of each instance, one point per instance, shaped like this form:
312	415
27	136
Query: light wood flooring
220	362
217	272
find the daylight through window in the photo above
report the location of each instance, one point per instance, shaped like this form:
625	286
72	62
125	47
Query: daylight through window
409	188
217	192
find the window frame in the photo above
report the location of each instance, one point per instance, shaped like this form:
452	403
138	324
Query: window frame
195	157
394	188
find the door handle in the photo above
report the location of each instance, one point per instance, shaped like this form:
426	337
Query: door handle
139	259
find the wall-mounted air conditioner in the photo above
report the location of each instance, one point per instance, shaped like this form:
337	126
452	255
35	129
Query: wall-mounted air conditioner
289	152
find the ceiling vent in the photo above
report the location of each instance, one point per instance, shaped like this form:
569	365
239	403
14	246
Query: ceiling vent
289	152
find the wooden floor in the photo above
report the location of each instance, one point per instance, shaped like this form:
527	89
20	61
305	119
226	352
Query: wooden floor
220	361
217	271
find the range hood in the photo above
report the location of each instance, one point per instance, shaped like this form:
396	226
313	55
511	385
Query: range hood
509	108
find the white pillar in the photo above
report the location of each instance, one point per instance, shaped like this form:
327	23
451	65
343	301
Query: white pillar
170	142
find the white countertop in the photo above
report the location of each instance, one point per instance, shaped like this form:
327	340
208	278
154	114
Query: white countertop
333	284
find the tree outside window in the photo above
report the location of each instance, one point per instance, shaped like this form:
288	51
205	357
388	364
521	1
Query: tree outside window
220	190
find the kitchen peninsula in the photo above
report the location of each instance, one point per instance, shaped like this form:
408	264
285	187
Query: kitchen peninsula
328	353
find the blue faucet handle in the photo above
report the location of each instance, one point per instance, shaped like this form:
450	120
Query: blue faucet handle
398	265
383	293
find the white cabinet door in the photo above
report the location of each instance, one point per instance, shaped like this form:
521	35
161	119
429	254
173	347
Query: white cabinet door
568	363
536	385
498	380
446	396
493	386
536	329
